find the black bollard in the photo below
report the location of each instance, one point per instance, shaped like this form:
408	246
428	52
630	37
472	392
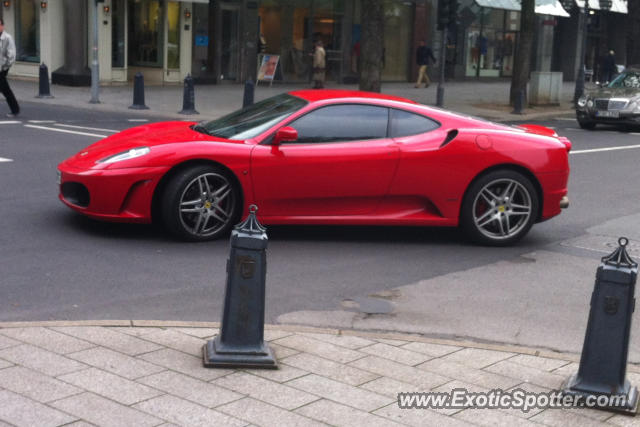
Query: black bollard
188	100
249	88
43	87
240	343
603	364
518	104
138	93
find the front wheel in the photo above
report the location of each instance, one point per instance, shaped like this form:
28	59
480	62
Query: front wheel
499	208
200	203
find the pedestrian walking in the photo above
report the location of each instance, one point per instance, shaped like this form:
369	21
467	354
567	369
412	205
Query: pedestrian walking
424	56
319	65
7	59
609	69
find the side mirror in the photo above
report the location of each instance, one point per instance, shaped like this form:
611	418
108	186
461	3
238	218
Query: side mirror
285	134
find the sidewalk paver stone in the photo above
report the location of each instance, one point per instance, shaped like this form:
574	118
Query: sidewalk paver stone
271	392
397	354
329	369
117	363
434	350
341	392
21	411
283	374
185	387
34	385
262	413
109	338
184	363
282	352
404	373
319	348
418	417
44	361
6	342
564	418
542	363
341	415
476	357
111	386
177	341
104	412
348	341
183	412
471	375
47	339
528	374
491	418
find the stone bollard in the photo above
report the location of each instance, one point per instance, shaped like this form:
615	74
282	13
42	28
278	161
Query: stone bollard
249	88
188	100
43	87
240	343
138	93
603	364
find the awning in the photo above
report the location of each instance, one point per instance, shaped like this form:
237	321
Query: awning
618	6
543	7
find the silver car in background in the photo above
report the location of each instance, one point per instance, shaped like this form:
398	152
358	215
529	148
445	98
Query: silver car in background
617	102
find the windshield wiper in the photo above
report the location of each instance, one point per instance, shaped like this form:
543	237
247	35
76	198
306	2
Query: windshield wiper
200	128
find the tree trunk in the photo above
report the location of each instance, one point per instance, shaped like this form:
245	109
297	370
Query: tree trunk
633	33
371	45
522	65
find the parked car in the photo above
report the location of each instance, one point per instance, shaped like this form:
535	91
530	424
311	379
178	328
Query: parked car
617	102
325	157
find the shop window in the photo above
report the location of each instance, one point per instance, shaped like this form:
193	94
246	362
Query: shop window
145	33
28	31
117	34
397	40
173	36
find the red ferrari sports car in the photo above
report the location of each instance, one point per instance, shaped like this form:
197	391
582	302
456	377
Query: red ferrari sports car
325	157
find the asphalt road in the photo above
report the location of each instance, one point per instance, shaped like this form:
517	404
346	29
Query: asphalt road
57	265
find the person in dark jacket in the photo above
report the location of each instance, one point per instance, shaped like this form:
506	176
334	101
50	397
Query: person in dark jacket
609	69
424	56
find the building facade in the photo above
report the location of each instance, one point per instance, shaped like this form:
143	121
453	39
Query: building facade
213	39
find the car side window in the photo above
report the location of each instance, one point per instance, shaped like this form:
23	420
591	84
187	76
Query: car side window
404	123
340	123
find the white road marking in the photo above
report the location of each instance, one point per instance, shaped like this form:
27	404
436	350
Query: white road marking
66	131
41	121
10	122
137	120
87	128
4	160
597	150
567	119
634	133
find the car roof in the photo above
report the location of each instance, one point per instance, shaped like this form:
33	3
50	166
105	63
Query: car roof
313	95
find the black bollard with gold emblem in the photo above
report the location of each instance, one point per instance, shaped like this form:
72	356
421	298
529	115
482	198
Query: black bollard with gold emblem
603	364
241	341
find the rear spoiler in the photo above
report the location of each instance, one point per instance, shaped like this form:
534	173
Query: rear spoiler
543	130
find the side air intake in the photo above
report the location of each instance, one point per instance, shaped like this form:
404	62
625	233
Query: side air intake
450	137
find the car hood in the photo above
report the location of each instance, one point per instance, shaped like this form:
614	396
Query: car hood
614	92
150	135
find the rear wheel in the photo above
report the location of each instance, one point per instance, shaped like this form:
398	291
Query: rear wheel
499	208
200	203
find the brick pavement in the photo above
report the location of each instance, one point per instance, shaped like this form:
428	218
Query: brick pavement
144	373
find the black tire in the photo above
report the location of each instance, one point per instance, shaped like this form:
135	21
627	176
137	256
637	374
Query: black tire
587	125
508	209
212	216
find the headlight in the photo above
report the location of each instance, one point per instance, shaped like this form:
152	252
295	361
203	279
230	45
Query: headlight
126	155
589	103
582	101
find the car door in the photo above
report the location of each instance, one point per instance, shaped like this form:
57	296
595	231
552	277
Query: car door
342	164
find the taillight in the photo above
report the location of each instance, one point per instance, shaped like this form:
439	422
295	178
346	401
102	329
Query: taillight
566	142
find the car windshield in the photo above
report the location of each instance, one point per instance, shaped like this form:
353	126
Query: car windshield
627	79
254	119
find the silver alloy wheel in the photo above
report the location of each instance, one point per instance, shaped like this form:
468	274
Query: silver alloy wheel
502	208
207	204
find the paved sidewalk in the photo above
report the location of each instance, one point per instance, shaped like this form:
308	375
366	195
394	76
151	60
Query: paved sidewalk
478	98
143	373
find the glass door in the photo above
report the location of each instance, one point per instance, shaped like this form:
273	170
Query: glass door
146	33
230	42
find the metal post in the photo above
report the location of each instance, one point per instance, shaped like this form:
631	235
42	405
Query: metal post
241	341
138	93
443	57
249	87
188	99
603	364
518	105
43	86
579	90
95	70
